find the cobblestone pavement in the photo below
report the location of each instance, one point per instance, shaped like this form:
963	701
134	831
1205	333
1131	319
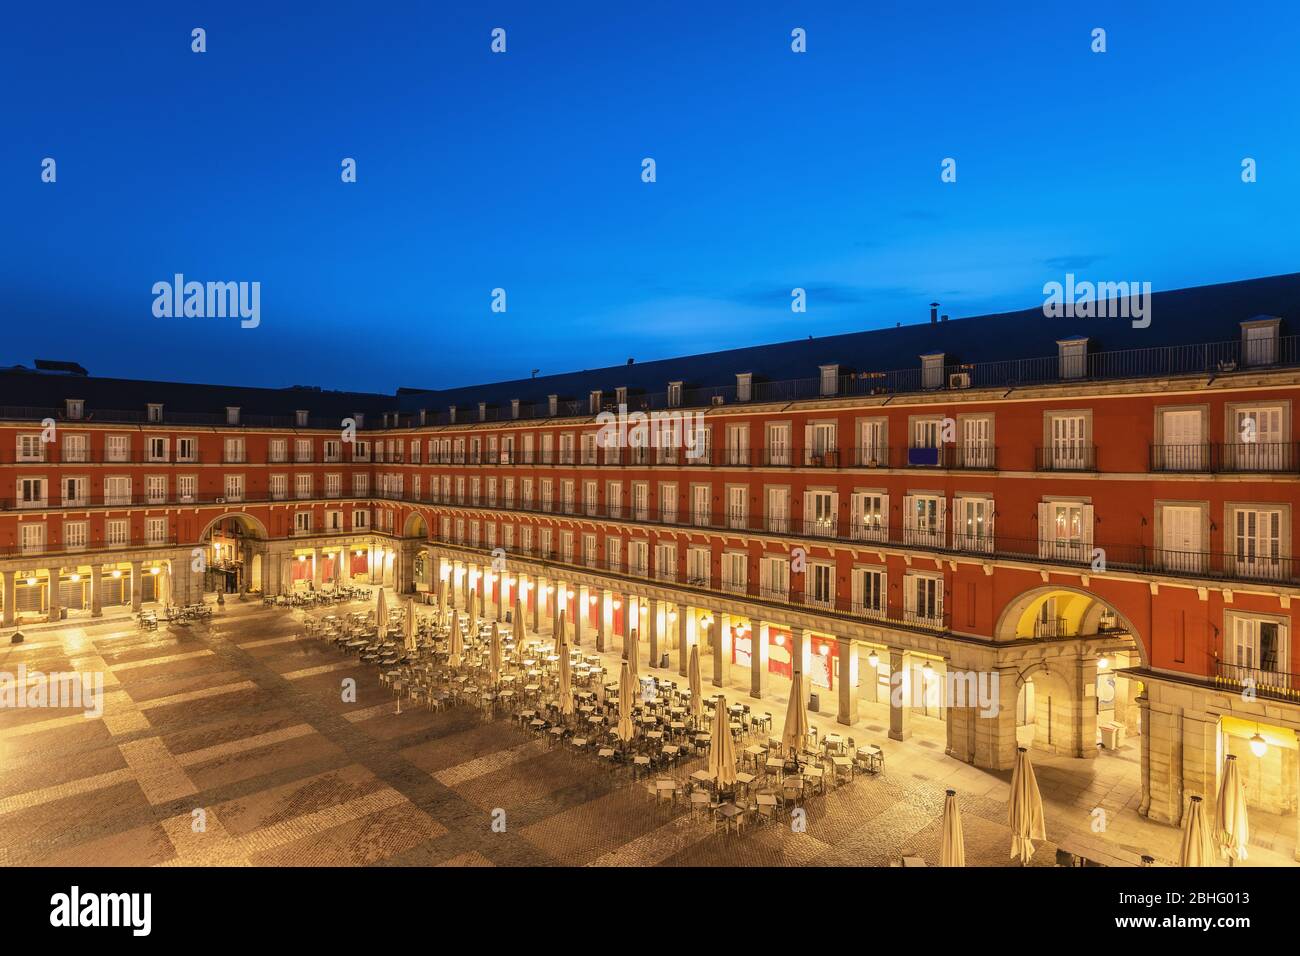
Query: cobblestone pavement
229	743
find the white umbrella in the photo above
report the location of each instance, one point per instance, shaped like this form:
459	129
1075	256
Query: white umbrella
722	749
693	678
455	645
1197	848
409	627
494	656
633	652
473	610
796	717
1025	809
625	686
953	852
165	588
518	623
381	613
566	679
1231	826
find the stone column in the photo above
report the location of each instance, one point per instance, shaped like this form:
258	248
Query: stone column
652	629
1084	711
1162	772
685	626
96	603
10	586
54	593
137	585
1144	709
847	654
604	611
801	656
316	569
581	610
1201	759
536	592
758	660
900	687
722	637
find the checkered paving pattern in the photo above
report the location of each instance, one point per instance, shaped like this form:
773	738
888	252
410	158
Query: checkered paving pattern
230	743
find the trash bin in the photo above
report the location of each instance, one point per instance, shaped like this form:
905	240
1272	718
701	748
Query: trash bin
814	702
663	661
1112	735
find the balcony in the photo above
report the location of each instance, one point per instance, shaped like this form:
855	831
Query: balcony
1226	457
1066	458
1273	684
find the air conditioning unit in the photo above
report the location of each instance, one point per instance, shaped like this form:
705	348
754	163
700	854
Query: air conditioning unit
718	399
219	501
959	380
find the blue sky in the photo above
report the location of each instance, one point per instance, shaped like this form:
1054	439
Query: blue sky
522	171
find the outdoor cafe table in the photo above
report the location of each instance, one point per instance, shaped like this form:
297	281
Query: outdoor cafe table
670	751
842	762
745	778
702	776
775	765
654	734
765	799
730	813
605	752
662	785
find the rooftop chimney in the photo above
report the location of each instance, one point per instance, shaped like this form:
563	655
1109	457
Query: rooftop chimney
943	318
934	312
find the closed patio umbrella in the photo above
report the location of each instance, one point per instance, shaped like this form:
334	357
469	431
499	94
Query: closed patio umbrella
1197	848
633	652
796	717
165	587
693	678
455	645
566	677
1025	809
722	748
472	611
1231	826
953	852
625	692
381	613
409	628
494	655
518	623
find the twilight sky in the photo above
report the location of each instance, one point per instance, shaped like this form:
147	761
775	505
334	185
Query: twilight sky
523	171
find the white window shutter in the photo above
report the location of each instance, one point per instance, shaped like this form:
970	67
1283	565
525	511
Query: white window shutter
1045	533
856	596
909	593
940	515
835	510
988	522
1087	527
958	518
809	515
909	512
884	513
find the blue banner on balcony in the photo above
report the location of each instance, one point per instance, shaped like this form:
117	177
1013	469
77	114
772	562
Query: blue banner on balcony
923	456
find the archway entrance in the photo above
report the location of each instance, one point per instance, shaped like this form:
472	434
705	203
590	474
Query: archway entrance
231	561
1055	711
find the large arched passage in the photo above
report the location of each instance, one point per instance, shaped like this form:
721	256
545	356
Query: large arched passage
1077	695
232	562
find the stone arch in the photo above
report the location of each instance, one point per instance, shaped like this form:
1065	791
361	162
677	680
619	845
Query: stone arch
416	526
1083	611
245	520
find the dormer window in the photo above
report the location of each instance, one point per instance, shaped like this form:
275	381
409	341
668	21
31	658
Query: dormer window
830	379
744	386
1259	337
620	395
451	414
76	407
232	415
482	411
1072	356
300	417
674	394
424	416
594	401
359	418
552	404
154	412
932	370
514	408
